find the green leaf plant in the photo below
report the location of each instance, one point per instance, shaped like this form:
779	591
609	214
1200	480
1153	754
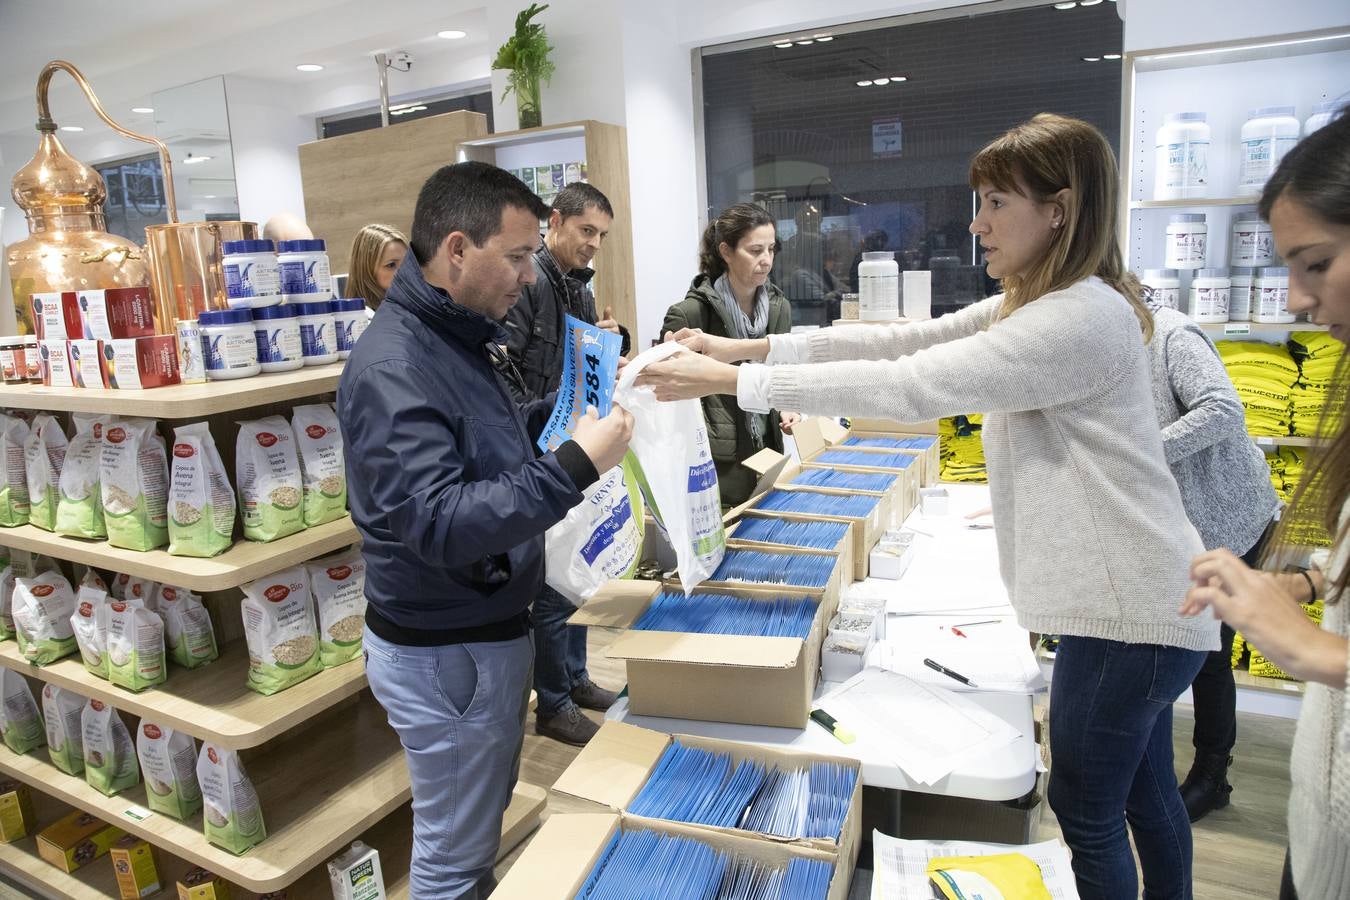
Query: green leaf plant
526	57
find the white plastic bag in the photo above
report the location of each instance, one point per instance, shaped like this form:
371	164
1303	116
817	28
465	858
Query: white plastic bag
44	455
678	476
600	539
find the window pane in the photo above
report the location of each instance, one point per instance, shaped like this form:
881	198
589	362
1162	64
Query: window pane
135	196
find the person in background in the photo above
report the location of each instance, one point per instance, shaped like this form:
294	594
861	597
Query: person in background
537	343
377	252
1225	487
1094	543
452	499
286	226
1307	203
731	296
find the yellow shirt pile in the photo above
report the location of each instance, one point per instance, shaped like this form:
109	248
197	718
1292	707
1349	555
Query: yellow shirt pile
1290	463
1317	354
1263	375
962	449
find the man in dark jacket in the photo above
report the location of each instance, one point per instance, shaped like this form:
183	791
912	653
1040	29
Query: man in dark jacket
577	225
452	500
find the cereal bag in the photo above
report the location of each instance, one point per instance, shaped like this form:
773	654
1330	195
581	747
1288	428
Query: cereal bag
44	457
201	501
14	504
7	577
322	468
232	815
283	640
267	471
169	763
89	622
79	504
20	722
135	646
109	756
42	607
134	481
62	709
188	632
338	583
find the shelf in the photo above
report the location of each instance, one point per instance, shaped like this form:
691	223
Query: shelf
1242	329
1246	680
242	563
318	794
1288	440
1196	202
181	401
212	702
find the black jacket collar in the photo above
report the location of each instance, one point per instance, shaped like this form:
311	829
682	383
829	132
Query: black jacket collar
437	309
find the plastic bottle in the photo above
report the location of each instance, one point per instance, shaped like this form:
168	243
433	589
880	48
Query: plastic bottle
1241	282
304	271
1209	296
228	346
251	274
350	321
1181	157
1267	135
1272	284
1187	238
1165	287
277	332
1252	242
879	287
1323	113
317	340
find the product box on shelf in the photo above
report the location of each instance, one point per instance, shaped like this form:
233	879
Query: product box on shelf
116	313
565	850
199	884
56	316
56	366
714	677
16	811
76	839
133	861
86	363
144	362
617	762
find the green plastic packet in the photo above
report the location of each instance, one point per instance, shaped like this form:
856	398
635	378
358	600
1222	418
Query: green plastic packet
42	607
134	483
232	817
20	721
109	755
14	503
135	646
338	583
188	633
79	505
279	628
267	474
201	501
62	709
44	457
322	467
169	761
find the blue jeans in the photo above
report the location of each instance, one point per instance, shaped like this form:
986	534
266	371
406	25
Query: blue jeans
459	711
560	653
1111	763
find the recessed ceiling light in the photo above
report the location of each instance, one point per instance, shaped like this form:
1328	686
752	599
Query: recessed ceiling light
452	35
143	110
805	42
208	196
191	160
824	37
1092	59
309	67
896	79
1110	56
785	45
881	81
72	128
1066	5
1088	2
864	84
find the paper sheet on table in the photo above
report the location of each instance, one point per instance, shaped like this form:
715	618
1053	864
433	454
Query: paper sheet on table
900	867
928	732
995	657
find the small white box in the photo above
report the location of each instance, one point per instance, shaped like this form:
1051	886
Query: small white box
933	501
842	656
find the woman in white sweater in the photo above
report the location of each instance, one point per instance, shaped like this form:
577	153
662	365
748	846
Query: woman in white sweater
1093	541
1307	202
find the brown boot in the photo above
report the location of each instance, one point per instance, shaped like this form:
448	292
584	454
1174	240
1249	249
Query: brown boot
590	695
569	726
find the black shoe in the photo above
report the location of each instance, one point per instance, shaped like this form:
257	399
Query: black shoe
569	726
593	696
1206	787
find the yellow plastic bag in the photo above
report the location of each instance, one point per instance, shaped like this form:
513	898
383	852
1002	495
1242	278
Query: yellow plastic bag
1004	876
1259	665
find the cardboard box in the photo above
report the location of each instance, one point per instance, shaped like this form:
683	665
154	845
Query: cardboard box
563	852
613	767
844	548
86	363
864	531
116	313
817	436
133	862
56	366
199	884
930	457
714	677
76	839
833	589
139	363
778	471
56	316
16	811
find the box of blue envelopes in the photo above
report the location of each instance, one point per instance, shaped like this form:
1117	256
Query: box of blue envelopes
603	854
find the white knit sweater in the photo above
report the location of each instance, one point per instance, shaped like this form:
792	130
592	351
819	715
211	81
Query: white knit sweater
1092	537
1319	772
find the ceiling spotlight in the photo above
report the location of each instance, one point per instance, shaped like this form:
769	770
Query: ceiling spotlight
208	196
143	110
881	81
864	84
784	45
72	128
1088	2
805	42
822	38
896	79
191	160
309	67
452	35
1110	56
1070	5
1092	59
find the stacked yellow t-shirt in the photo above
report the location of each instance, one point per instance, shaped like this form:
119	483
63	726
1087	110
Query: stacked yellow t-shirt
1263	374
962	449
1317	354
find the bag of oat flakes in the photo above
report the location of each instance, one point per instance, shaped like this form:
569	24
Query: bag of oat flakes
201	501
188	632
79	504
279	628
267	473
109	755
135	646
322	467
338	583
14	504
134	483
138	591
44	457
89	622
62	708
7	578
42	607
169	764
91	578
20	722
232	817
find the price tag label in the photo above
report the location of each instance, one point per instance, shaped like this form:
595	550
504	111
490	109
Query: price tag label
1237	329
137	813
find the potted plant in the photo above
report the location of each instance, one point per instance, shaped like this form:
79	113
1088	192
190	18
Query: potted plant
525	55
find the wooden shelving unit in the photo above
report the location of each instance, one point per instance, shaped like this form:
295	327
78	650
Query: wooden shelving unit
1246	329
211	703
242	563
1288	440
1195	202
182	401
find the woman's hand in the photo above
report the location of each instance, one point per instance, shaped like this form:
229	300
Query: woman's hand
722	349
687	376
788	420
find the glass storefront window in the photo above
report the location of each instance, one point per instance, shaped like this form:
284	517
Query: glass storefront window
845	167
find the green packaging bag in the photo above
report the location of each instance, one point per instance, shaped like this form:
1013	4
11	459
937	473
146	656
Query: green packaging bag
279	628
14	503
109	755
338	583
169	763
322	468
20	721
133	477
201	501
267	471
232	817
188	633
89	622
44	456
62	709
42	607
135	646
79	505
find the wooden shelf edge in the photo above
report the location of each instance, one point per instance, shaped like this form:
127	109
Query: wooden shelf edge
1283	440
1196	202
331	809
212	702
1247	681
242	563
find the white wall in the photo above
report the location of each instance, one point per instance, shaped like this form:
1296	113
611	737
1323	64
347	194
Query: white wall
265	133
1154	24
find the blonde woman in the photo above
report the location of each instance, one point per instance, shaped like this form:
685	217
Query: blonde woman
1093	541
377	252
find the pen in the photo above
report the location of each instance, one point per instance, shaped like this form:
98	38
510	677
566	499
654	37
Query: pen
970	624
949	673
831	724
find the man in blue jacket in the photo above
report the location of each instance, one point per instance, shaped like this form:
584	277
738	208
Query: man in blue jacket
452	500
